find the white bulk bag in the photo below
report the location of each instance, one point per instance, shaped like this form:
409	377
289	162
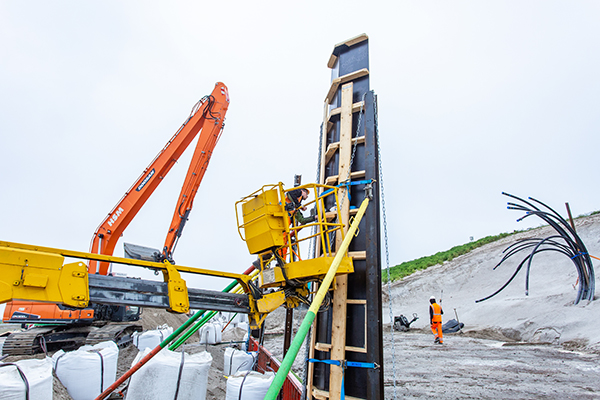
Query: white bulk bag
245	340
87	371
151	338
37	378
242	325
211	334
164	375
240	319
235	361
248	385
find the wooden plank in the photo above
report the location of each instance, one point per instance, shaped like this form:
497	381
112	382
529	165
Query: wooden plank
356	301
357	349
333	179
332	148
322	347
330	215
319	394
350	42
356	175
324	395
355	108
329	126
358	255
343	79
340	294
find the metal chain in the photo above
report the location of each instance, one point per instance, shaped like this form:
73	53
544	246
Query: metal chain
360	114
387	252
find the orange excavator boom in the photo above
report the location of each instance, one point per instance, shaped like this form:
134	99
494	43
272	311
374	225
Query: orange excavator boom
207	118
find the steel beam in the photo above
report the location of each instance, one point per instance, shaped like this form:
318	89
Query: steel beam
145	293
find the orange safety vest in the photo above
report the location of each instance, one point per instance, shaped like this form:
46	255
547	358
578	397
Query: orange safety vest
437	312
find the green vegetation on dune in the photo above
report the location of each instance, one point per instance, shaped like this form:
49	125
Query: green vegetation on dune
409	267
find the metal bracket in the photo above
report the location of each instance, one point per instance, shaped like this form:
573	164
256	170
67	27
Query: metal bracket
369	189
178	293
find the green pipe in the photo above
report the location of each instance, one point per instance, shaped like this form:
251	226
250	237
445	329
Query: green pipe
289	358
192	330
200	323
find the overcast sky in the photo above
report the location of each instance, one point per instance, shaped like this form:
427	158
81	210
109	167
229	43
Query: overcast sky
475	98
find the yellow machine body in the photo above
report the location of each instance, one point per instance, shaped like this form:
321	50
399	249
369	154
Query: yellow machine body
316	268
264	220
40	276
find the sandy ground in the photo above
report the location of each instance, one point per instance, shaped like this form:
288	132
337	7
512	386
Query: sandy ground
472	368
513	346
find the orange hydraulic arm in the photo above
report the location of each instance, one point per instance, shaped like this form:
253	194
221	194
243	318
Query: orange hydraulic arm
207	117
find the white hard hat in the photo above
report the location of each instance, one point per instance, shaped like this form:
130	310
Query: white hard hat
432	298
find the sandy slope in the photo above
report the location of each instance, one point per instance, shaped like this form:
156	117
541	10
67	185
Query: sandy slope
547	314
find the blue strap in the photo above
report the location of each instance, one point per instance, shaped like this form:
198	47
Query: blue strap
361	364
348	183
345	364
330	362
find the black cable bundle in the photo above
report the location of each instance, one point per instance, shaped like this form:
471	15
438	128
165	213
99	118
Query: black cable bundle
566	242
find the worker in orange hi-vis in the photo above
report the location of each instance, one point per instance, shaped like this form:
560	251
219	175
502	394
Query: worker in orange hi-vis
435	319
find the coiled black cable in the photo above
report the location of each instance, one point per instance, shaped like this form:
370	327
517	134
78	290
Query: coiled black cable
566	242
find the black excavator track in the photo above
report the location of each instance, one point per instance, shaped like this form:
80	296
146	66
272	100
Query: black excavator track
52	338
119	333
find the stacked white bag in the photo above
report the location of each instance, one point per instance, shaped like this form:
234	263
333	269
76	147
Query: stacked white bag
235	361
38	376
87	371
211	333
151	338
160	377
248	385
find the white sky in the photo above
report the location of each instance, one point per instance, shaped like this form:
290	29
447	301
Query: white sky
475	98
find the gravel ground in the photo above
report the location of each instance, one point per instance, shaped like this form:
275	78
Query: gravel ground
473	368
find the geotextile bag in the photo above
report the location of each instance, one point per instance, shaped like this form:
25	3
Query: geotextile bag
235	361
170	375
250	385
26	379
211	333
151	338
87	371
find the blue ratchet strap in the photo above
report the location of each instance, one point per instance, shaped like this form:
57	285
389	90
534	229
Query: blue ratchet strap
344	365
348	183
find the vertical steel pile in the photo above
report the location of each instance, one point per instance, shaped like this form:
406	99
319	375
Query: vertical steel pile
350	332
